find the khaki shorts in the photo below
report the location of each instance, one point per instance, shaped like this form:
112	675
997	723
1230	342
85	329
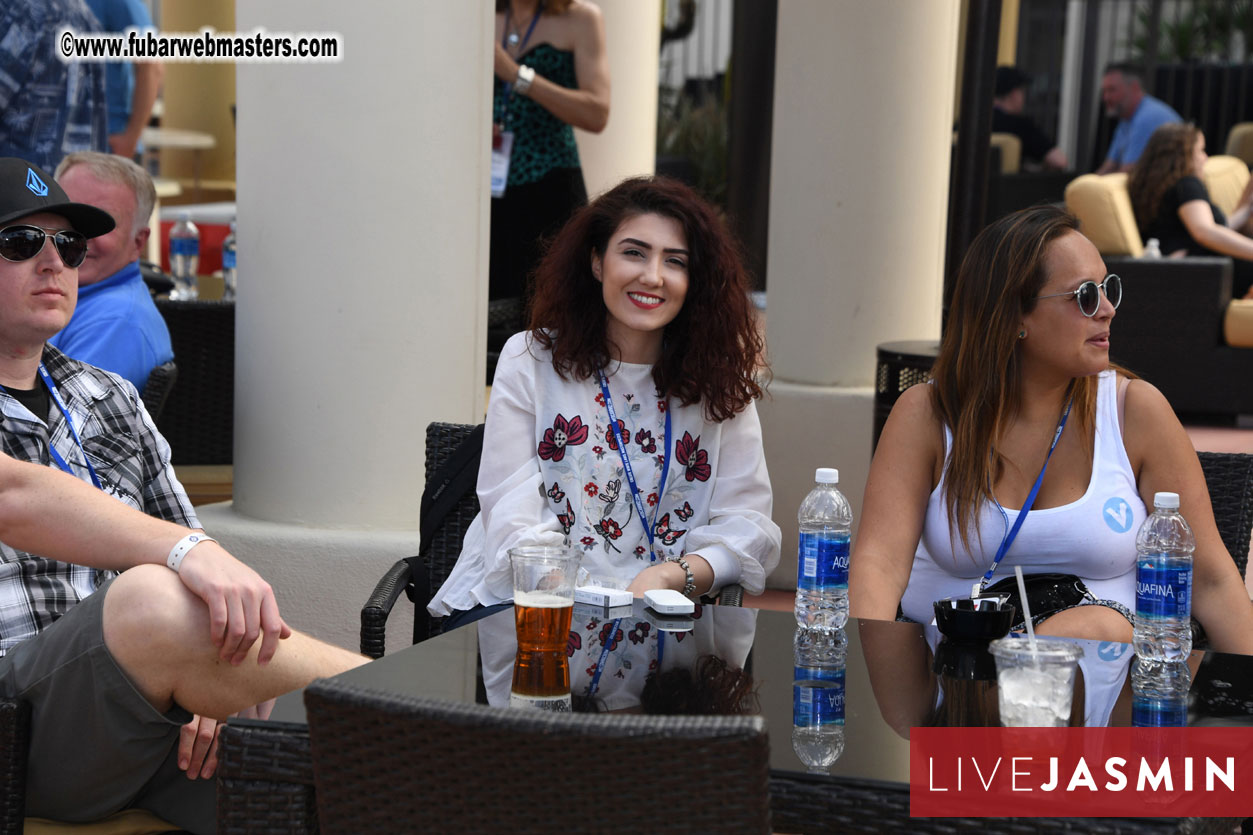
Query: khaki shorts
96	744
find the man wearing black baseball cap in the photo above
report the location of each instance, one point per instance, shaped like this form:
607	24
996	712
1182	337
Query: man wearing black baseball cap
123	670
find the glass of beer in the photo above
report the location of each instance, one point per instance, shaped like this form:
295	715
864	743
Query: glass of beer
543	600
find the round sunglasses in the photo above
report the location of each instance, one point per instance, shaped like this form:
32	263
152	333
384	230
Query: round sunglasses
21	243
1088	294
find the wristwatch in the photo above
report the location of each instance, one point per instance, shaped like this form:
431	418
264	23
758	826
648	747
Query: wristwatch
522	84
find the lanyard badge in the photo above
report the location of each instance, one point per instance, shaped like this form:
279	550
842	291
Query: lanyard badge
65	413
629	472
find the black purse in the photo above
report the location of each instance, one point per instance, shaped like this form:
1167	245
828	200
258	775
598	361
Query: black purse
1047	593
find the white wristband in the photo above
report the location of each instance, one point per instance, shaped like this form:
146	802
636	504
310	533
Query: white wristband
180	550
526	76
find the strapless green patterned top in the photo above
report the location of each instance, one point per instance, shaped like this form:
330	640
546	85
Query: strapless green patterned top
541	141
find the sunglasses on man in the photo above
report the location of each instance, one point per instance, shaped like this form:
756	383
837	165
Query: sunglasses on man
21	243
1088	294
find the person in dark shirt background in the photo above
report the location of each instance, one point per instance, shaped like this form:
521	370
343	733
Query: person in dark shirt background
1009	96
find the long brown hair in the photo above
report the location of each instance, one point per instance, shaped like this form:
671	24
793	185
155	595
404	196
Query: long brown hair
977	382
1166	160
711	350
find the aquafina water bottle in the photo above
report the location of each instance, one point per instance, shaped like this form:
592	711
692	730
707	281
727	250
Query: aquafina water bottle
1163	621
818	697
822	555
184	257
1159	694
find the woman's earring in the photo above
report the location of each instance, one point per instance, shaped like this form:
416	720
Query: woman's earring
1022	334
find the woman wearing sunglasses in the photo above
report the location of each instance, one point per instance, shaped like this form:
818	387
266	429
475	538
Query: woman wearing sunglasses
1026	419
623	423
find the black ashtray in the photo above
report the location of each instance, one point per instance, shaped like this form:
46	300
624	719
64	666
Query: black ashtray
974	619
965	660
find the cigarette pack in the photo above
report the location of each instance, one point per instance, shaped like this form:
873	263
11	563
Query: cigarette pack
601	596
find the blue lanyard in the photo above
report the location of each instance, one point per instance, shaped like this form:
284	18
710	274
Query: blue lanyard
1009	537
56	456
594	684
620	442
504	44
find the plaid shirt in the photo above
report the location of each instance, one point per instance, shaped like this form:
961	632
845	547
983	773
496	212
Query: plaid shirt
131	459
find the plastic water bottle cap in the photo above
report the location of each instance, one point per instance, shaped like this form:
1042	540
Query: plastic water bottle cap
1165	501
827	475
184	216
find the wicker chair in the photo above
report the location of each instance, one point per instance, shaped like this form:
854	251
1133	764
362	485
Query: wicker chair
384	763
199	418
438	553
157	388
1229	477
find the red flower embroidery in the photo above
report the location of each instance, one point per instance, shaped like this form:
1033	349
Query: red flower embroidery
573	642
598	449
600	399
661	405
612	437
639	634
652	499
644	439
590	488
587	540
639	550
609	528
564	433
609	635
688	453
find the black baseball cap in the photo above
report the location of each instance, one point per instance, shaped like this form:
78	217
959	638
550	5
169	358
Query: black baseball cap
26	189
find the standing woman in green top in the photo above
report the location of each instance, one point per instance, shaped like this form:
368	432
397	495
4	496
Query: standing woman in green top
552	75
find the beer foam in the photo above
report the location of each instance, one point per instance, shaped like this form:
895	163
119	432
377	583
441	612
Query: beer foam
542	600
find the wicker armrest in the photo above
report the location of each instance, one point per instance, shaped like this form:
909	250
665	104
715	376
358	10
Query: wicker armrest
265	778
375	611
731	594
14	746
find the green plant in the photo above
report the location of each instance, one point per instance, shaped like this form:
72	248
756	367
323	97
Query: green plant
1202	30
697	133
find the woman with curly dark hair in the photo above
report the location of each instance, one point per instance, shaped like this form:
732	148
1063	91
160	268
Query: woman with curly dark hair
1172	204
643	350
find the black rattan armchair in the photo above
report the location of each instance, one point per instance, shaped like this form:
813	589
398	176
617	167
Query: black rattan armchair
157	388
199	417
420	576
387	763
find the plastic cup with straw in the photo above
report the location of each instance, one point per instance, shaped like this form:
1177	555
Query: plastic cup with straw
1035	679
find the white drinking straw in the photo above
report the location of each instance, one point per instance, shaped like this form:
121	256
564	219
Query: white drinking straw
1026	609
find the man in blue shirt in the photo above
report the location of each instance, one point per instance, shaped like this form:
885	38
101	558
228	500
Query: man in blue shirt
1139	114
115	326
130	86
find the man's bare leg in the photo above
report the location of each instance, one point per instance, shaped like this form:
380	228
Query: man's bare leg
158	632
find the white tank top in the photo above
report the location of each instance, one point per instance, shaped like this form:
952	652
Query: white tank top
1093	537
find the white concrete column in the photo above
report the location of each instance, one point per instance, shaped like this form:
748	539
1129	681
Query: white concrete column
863	115
628	144
361	314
